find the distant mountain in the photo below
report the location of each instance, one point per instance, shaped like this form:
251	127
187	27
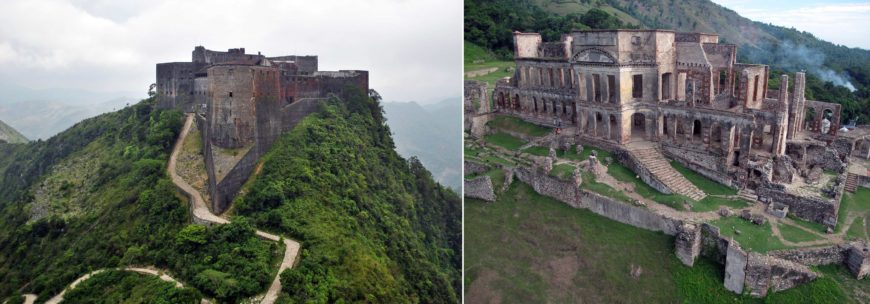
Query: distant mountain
10	135
40	114
432	133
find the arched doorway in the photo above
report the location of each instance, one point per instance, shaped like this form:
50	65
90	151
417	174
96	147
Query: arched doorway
716	137
535	100
638	126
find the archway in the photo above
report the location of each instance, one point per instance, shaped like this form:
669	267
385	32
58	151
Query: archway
516	105
500	99
665	129
638	126
827	127
535	100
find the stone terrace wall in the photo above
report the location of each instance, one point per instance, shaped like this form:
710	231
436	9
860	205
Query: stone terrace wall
567	192
701	162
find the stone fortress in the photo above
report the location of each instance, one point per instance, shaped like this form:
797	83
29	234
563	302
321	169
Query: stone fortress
243	102
650	95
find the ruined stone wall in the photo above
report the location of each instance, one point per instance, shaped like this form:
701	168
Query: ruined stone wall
820	108
474	168
765	273
822	211
567	192
224	191
526	44
751	93
702	162
815	256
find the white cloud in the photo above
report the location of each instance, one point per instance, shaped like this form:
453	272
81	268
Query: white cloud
412	49
840	23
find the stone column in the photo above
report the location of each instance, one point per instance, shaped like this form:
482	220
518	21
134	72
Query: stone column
688	243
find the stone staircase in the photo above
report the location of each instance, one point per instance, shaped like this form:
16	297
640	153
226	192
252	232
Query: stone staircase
747	194
661	169
851	182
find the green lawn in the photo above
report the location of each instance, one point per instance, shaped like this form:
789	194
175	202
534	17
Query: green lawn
514	124
624	174
545	151
814	226
589	183
527	248
505	140
856	231
707	185
853	202
758	238
497	176
470	151
794	234
563	171
712	203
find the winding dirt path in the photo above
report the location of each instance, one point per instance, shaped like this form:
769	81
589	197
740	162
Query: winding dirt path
31	298
202	213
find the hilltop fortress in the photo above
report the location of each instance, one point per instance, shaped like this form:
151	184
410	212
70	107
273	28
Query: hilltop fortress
243	102
647	96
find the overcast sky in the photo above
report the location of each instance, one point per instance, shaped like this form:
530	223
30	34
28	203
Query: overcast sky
842	22
412	48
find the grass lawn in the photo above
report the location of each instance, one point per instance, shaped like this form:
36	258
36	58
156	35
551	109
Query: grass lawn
527	248
505	140
624	174
497	176
856	231
758	238
470	151
707	185
589	183
545	151
514	124
712	203
814	226
853	202
794	234
563	171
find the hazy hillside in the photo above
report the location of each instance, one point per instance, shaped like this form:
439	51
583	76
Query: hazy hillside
432	133
40	114
10	135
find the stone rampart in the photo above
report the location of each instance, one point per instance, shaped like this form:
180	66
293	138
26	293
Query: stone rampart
814	209
834	254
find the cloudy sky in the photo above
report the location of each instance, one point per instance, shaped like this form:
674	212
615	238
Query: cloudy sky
412	48
839	21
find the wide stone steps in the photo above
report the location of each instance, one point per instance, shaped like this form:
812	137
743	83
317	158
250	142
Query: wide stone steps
851	182
661	169
748	194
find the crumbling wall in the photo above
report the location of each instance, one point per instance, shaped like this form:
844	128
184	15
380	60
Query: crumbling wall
567	192
474	168
834	254
735	268
480	188
765	273
688	243
814	209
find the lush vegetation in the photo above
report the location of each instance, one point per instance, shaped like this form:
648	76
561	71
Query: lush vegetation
758	238
375	227
510	123
491	23
10	135
115	286
505	140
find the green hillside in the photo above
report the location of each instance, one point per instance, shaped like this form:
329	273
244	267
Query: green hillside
10	135
374	227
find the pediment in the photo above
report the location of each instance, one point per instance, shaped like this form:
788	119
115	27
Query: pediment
593	56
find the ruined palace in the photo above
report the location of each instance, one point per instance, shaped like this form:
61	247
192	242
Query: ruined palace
685	96
652	97
243	102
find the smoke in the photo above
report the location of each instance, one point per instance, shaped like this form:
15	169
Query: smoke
799	57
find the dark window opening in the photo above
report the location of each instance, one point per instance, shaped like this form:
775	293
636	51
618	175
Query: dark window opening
231	94
637	86
611	88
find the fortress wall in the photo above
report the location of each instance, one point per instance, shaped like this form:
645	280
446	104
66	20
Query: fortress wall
231	112
175	85
227	189
307	64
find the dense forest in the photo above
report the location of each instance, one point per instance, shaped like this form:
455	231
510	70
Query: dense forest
836	73
374	227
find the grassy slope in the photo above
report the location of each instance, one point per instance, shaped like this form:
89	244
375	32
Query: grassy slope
10	135
527	248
